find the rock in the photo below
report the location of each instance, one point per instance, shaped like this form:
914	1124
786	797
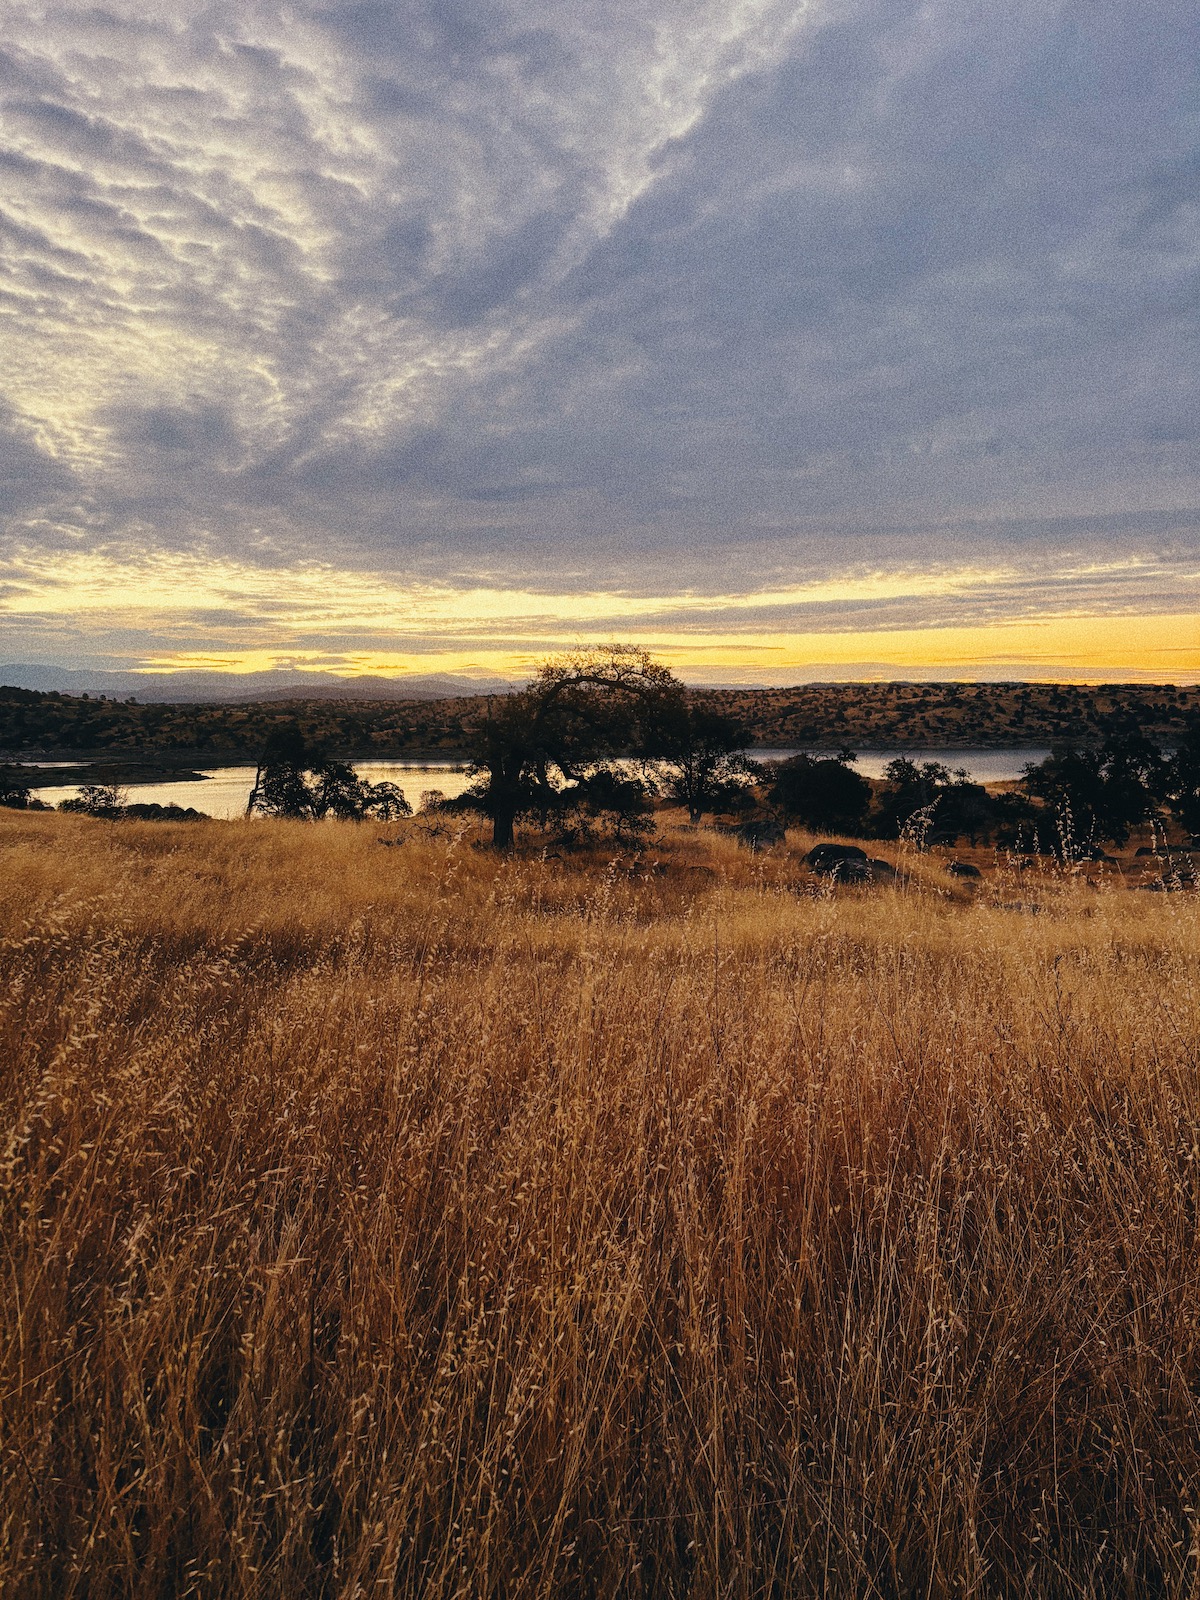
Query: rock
151	811
851	872
829	859
882	871
760	835
963	869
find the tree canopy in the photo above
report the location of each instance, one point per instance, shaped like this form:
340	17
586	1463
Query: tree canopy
539	749
822	792
1100	792
703	762
295	780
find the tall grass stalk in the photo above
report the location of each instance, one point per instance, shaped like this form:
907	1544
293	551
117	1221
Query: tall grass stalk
422	1223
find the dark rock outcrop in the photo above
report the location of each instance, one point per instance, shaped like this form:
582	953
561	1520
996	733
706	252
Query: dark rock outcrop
151	811
830	860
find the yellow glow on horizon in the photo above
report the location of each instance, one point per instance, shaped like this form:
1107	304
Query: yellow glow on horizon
317	617
1165	647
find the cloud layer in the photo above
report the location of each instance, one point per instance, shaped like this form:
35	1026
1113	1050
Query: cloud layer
675	306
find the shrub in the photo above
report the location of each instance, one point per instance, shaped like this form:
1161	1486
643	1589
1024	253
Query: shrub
822	793
105	800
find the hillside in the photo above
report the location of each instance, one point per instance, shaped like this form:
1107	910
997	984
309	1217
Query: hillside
887	716
879	716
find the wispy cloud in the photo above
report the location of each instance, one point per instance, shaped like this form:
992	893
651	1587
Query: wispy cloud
507	317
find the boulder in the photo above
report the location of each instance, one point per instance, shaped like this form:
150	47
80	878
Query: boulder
963	869
851	872
829	860
151	811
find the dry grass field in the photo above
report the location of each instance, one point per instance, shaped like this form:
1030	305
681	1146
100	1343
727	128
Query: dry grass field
418	1222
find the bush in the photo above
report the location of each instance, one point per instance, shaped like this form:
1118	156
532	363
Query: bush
825	794
299	781
1099	793
107	800
151	811
14	791
608	802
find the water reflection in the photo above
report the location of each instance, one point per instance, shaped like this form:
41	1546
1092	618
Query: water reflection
224	791
982	766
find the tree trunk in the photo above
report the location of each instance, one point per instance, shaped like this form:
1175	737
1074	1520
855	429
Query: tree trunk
253	800
502	827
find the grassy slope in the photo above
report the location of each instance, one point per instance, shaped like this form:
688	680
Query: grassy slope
418	1222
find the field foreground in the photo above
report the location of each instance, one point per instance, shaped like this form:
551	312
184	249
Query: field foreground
419	1222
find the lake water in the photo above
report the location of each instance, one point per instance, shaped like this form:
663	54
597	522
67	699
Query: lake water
983	766
223	791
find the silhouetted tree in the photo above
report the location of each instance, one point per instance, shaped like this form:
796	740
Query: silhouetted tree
823	793
295	780
105	800
912	788
705	768
580	711
962	809
15	793
387	802
280	781
1099	793
338	791
1181	784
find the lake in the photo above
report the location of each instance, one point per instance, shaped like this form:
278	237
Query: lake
223	791
983	766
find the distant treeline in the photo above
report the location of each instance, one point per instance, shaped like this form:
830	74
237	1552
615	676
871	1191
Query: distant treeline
898	716
817	716
553	756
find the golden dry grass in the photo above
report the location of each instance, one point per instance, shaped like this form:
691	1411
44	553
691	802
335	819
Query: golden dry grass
415	1222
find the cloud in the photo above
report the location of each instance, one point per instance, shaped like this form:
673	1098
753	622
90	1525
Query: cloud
610	298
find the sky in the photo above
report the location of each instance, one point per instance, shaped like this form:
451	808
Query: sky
825	340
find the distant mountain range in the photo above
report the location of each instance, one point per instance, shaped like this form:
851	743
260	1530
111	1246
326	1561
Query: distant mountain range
211	688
